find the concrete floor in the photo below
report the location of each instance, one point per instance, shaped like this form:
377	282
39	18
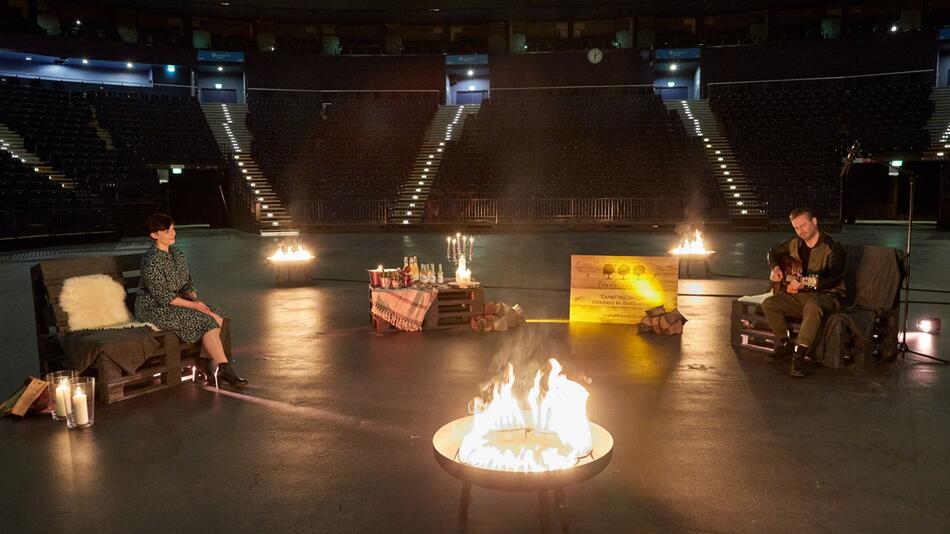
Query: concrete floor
333	433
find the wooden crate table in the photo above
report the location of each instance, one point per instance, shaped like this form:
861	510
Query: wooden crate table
452	308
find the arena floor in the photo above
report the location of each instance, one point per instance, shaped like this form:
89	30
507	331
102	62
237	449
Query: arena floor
333	433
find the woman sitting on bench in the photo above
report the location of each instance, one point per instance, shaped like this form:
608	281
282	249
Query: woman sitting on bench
167	299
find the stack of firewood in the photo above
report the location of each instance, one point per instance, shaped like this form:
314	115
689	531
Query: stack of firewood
498	317
659	321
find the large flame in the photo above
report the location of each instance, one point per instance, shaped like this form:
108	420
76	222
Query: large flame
552	434
292	253
694	247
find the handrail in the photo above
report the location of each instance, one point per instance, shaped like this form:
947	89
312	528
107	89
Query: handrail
90	82
895	73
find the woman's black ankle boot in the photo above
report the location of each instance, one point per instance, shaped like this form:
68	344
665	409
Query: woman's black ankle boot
226	373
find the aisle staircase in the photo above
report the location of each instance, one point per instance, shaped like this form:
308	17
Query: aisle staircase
12	142
228	123
745	205
446	125
939	124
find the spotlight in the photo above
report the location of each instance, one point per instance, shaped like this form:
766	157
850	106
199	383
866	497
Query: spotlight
85	61
471	72
78	22
669	84
673	67
218	86
128	65
893	28
929	325
29	58
220	68
471	87
170	69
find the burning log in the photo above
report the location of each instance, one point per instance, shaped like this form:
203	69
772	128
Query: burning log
659	321
694	247
693	250
498	317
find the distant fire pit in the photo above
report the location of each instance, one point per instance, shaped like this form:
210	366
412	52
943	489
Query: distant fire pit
544	449
287	257
693	251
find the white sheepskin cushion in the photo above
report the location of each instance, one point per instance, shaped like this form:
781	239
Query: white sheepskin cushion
94	301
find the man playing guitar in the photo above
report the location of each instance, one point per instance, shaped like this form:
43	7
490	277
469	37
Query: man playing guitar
817	290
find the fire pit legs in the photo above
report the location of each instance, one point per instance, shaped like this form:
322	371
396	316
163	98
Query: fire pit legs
561	502
463	506
545	508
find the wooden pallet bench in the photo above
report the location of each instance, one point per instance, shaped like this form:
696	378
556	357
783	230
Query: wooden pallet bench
163	369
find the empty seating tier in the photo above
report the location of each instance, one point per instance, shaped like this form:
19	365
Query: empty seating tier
789	139
575	144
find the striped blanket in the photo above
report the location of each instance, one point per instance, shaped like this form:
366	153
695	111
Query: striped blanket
403	308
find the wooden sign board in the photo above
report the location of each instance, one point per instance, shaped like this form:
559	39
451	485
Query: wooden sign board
619	289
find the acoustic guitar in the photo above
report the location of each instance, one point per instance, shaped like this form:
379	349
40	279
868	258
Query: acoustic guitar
792	270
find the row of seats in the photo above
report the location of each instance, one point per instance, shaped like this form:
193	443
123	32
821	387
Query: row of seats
340	145
156	129
61	128
789	140
574	144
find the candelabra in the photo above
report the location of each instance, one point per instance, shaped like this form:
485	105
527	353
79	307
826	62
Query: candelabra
458	247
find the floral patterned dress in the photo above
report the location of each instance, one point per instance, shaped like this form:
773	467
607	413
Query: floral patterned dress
165	276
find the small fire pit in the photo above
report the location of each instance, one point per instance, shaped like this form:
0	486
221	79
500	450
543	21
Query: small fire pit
544	449
288	257
693	251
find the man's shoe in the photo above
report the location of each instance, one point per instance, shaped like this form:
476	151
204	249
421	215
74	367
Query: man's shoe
783	348
797	369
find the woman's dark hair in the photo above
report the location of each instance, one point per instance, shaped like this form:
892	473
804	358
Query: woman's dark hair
158	222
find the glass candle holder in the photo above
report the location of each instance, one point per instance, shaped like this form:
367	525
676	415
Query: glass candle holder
59	392
80	411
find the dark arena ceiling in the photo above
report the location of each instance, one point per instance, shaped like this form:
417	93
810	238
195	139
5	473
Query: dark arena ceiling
440	11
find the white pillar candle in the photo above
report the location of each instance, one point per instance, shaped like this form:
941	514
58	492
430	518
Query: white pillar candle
80	410
448	246
471	246
62	397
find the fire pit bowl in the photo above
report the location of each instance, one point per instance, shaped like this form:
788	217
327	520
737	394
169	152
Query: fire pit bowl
446	444
448	439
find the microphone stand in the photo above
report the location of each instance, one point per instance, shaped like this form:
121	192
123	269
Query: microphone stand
902	348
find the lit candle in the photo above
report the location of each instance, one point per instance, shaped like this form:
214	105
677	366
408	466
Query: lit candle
62	397
80	410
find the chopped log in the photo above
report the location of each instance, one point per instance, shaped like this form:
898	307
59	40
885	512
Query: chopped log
661	322
23	399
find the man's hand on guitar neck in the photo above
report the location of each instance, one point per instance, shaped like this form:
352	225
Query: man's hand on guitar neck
776	275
